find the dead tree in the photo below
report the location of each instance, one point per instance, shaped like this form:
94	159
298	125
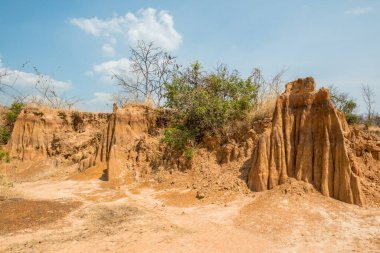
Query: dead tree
47	94
8	85
267	89
151	68
369	100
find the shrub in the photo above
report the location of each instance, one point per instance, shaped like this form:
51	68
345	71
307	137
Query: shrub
13	113
10	119
204	103
189	153
4	155
352	118
179	142
345	104
4	135
176	139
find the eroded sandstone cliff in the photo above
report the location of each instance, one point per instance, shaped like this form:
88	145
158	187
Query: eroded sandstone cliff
306	142
307	139
66	136
127	142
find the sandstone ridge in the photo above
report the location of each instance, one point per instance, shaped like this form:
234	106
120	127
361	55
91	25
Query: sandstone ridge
68	137
124	142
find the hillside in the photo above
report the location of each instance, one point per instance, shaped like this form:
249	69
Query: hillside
303	180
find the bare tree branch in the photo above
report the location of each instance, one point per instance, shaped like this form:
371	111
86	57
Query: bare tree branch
151	68
45	91
369	100
267	89
9	88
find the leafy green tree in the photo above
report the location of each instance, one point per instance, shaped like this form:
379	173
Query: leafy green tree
344	103
203	103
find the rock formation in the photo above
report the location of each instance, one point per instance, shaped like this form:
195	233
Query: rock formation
66	136
126	141
306	142
364	148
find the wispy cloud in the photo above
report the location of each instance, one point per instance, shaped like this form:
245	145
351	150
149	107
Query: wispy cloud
101	97
108	50
21	79
100	101
358	11
108	69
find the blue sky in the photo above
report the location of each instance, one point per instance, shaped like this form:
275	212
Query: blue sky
77	43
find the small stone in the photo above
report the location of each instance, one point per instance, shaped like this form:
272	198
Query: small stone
200	195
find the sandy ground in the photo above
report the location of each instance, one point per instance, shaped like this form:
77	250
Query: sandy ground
117	219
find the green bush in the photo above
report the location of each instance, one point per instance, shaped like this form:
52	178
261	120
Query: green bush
176	138
352	118
345	104
10	119
204	103
179	141
4	155
189	153
13	113
4	135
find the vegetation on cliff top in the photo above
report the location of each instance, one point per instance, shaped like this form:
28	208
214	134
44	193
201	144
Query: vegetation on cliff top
203	103
344	103
10	118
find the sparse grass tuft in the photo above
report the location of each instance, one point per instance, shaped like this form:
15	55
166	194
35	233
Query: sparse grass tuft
7	188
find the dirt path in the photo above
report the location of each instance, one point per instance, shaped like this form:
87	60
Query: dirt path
117	220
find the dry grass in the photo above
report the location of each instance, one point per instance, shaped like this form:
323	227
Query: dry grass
374	129
46	108
368	129
7	189
3	111
147	103
265	109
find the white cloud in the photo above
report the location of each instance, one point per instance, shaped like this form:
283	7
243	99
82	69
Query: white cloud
107	69
100	102
101	98
359	11
89	73
147	25
108	50
98	27
20	79
148	28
